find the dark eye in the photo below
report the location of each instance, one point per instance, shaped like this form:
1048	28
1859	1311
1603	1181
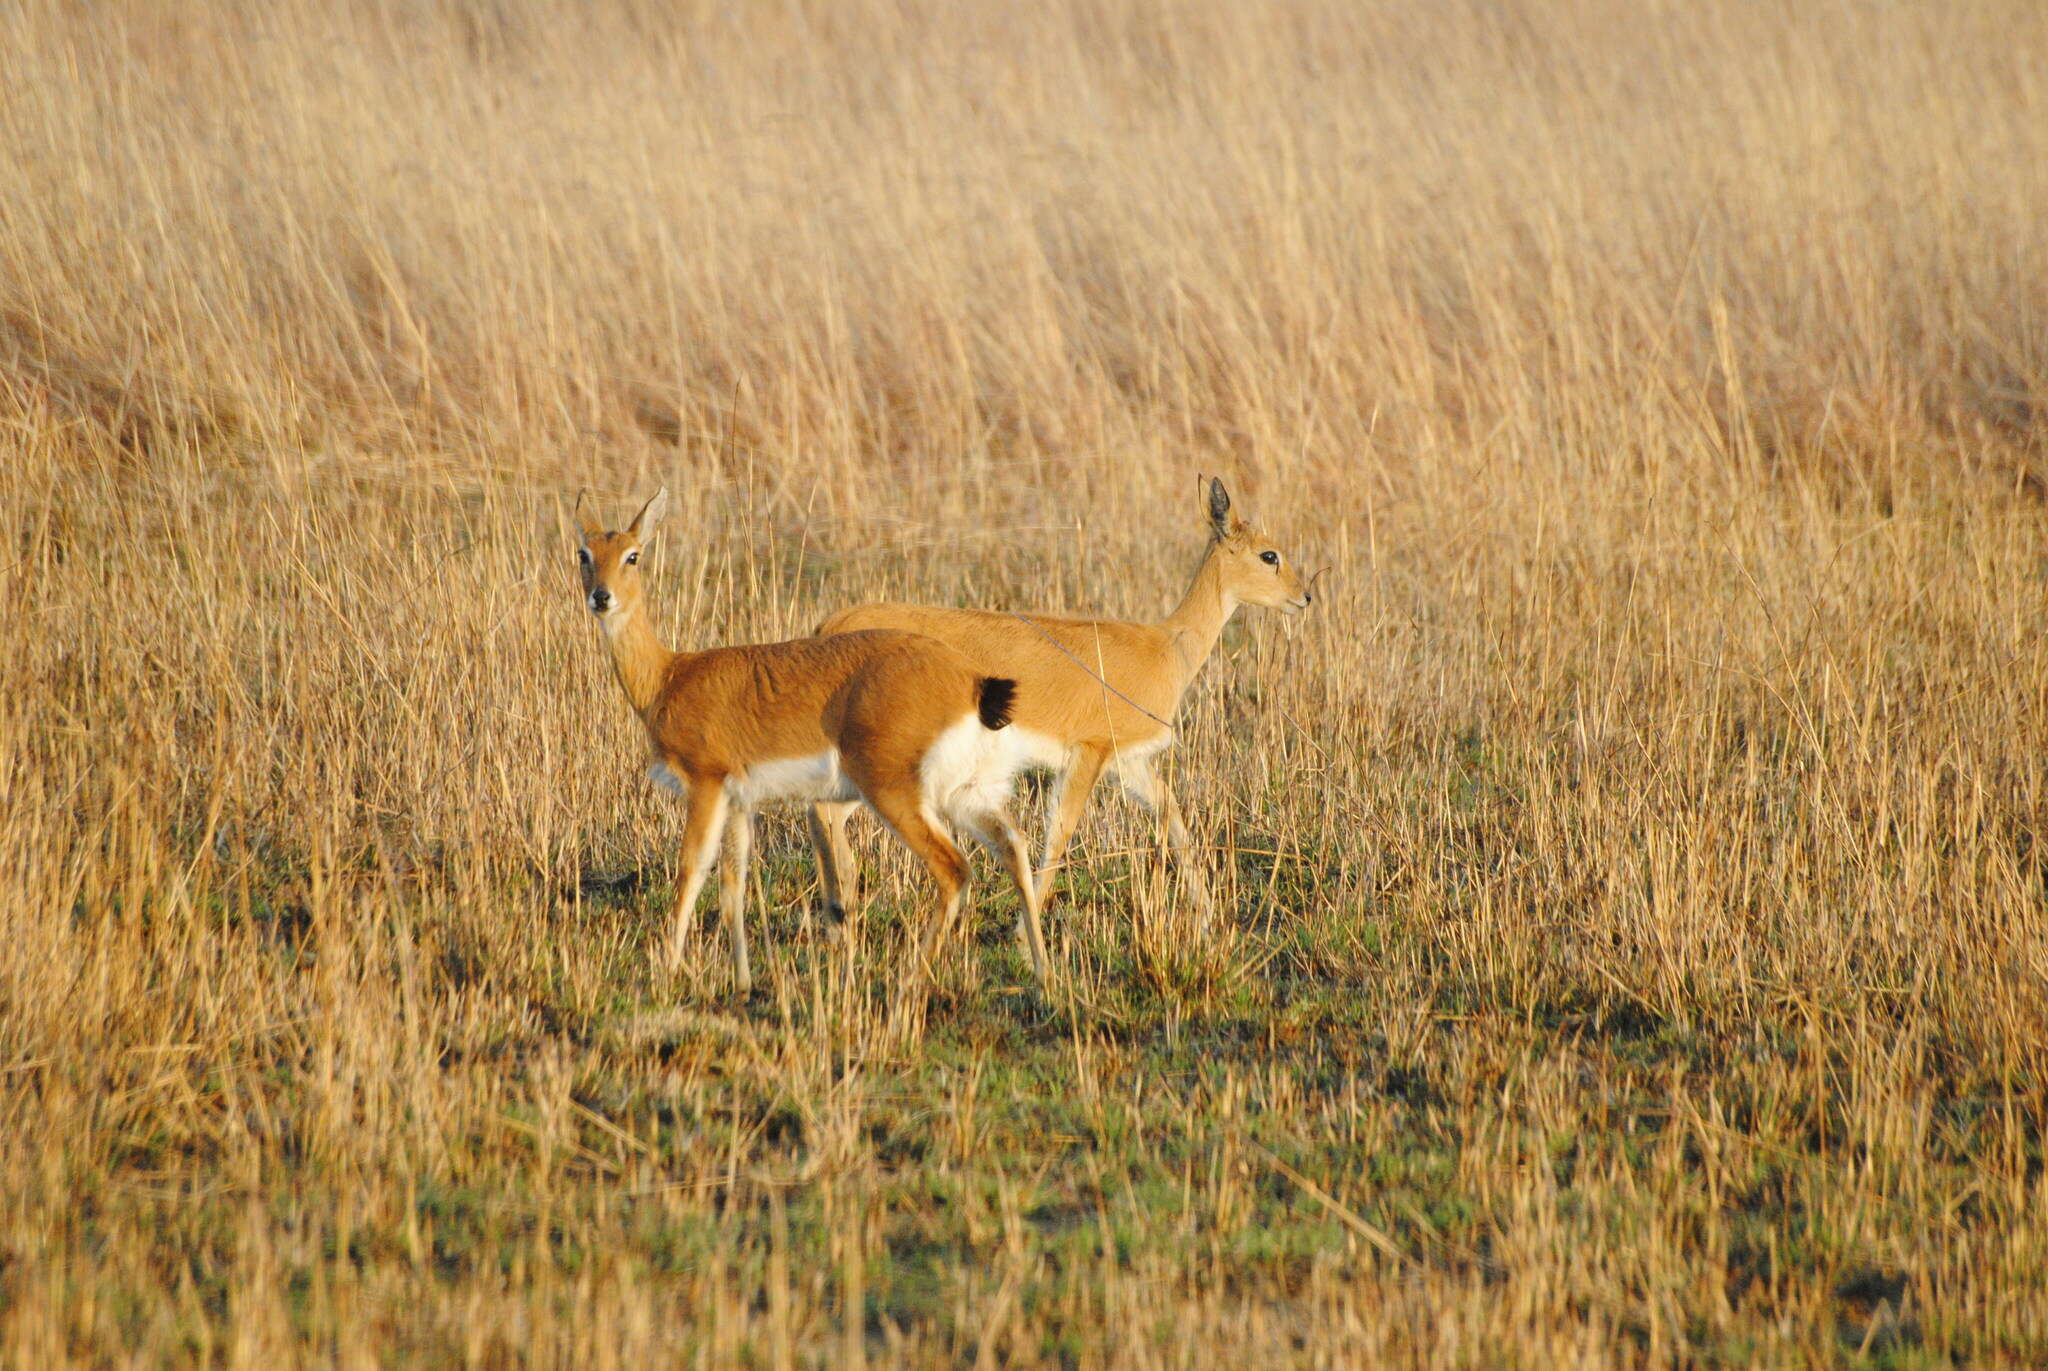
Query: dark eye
1270	557
583	555
633	557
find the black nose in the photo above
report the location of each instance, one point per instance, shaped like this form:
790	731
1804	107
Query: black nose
600	598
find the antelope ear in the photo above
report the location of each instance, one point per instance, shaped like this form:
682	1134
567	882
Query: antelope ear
1219	508
590	527
650	513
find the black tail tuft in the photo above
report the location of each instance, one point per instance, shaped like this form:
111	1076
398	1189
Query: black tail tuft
993	697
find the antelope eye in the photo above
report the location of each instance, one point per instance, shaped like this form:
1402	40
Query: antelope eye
633	557
1270	557
583	555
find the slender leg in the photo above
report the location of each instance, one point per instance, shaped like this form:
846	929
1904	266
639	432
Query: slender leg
903	810
700	839
837	871
732	891
1149	789
994	831
1070	797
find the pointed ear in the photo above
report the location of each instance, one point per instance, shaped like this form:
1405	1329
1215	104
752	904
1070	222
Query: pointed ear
589	527
650	513
1219	508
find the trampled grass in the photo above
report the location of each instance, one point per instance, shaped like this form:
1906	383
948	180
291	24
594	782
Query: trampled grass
1634	952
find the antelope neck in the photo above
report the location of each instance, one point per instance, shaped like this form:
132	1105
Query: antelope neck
638	657
1198	620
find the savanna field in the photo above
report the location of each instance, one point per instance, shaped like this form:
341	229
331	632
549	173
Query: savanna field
1631	949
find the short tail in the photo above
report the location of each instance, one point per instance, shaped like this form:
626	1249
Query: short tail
993	697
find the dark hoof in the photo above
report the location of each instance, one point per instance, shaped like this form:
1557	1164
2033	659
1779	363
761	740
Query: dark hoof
832	923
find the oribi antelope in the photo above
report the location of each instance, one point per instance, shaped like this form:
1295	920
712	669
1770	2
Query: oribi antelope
1093	693
898	720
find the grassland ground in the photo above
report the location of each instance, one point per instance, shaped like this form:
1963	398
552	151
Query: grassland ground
1632	947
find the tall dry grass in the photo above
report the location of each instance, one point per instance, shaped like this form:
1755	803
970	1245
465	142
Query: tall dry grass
1636	951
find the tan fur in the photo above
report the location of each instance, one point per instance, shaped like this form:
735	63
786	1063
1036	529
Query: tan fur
1064	703
721	722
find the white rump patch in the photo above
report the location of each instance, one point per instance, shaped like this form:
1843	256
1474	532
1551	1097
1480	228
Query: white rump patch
814	777
970	770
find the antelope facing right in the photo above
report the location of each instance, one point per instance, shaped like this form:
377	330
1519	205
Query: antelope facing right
1095	693
892	718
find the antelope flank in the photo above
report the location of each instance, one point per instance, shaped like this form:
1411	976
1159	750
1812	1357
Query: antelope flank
900	721
1099	693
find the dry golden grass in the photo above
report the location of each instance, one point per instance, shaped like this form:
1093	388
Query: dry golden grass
1636	950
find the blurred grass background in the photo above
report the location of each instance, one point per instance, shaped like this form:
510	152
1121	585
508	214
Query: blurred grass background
1636	950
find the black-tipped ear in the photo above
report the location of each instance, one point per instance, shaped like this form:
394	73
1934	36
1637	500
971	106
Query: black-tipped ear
1219	507
590	527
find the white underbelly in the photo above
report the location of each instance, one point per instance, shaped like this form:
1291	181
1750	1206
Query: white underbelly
1140	751
1040	750
814	777
1056	754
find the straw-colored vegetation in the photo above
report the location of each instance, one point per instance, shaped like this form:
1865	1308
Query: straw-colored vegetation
1634	949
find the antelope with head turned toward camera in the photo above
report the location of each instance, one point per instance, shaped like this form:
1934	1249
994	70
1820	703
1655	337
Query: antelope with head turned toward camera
1093	693
885	716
